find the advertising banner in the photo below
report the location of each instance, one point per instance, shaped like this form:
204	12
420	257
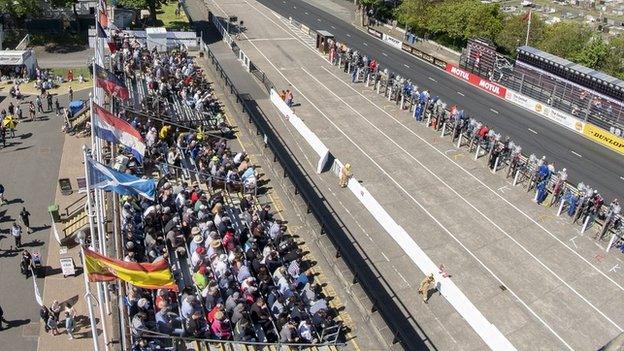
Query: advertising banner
394	42
603	137
477	81
374	33
557	116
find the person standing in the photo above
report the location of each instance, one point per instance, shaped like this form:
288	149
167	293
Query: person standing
56	309
16	231
44	313
53	324
31	109
39	103
57	105
25	216
70	324
424	287
1	194
71	94
49	99
18	112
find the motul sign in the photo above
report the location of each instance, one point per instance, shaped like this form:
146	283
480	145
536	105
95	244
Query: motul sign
477	81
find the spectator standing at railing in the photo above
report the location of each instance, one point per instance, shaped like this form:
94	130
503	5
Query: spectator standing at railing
612	215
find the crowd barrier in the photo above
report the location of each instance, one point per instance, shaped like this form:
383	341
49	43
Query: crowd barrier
501	153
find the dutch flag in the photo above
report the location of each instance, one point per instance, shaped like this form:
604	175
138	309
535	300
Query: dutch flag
116	130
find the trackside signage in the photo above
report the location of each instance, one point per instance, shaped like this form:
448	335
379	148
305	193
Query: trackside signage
556	116
477	81
605	138
394	42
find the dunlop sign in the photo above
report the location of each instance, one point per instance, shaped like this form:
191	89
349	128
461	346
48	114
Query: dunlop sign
605	138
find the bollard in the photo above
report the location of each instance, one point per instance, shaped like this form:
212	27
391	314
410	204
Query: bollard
516	177
585	224
560	208
402	101
459	140
478	151
613	236
496	164
378	86
368	80
443	129
536	195
414	113
389	92
428	117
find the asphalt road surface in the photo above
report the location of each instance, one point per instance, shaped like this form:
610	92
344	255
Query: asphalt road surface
585	160
29	166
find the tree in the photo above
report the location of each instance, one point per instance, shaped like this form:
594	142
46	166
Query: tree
18	9
614	60
565	39
415	13
593	55
513	32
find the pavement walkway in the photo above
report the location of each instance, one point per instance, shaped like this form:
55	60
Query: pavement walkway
69	289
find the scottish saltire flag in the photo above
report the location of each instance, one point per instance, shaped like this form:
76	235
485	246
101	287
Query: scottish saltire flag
110	83
116	130
103	177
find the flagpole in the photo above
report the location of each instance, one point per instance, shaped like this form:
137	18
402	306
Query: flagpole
526	42
88	295
100	238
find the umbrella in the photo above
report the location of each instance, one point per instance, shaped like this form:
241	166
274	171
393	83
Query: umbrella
9	122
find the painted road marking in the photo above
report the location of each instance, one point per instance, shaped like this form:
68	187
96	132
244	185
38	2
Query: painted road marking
472	206
433	80
493	110
365	44
408	194
460	93
406	65
306	13
532	131
622	178
333	27
576	153
349	35
318	19
386	257
383	53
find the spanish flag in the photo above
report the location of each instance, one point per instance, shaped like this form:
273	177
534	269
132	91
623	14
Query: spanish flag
154	275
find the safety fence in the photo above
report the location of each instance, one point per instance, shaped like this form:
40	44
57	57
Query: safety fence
580	202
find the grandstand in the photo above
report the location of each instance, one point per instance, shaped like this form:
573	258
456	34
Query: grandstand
241	276
580	91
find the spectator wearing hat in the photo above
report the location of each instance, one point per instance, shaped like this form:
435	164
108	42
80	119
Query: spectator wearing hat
198	239
190	304
305	330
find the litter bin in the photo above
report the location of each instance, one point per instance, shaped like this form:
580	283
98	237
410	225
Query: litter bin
54	212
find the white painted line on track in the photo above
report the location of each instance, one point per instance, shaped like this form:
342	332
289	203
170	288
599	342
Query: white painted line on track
406	65
386	257
349	35
333	27
622	178
422	207
532	131
433	80
318	19
493	110
400	275
460	93
383	53
459	195
576	153
306	13
365	44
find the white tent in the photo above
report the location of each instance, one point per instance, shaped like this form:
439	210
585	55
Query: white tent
19	58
